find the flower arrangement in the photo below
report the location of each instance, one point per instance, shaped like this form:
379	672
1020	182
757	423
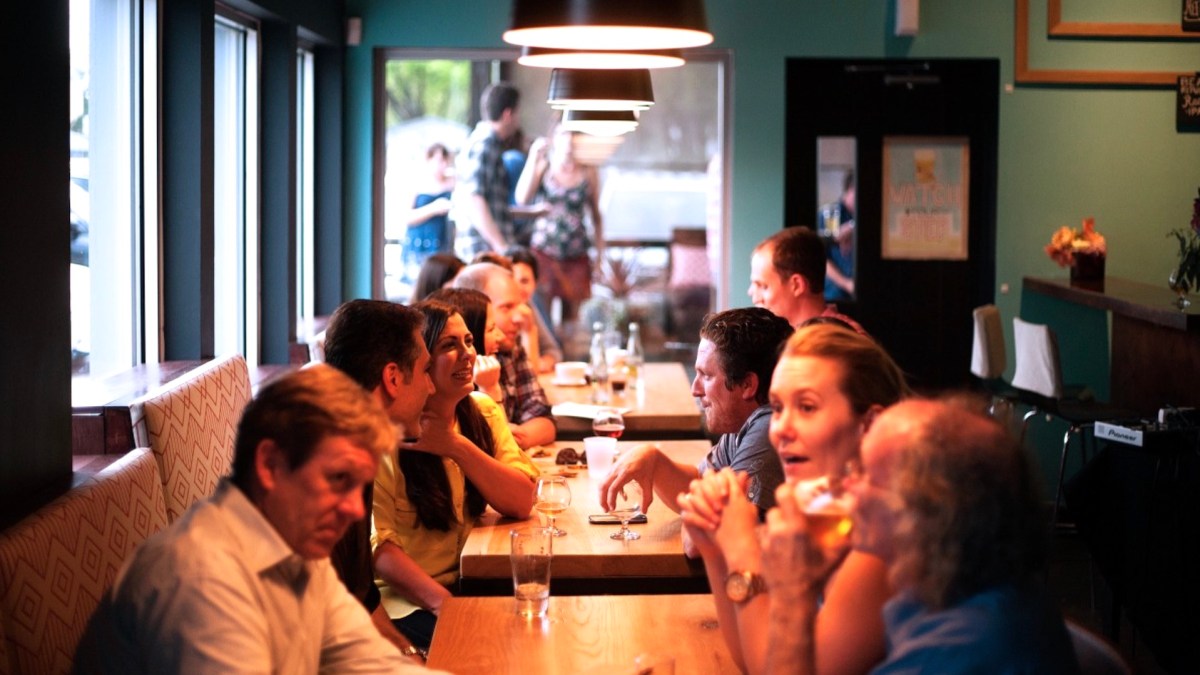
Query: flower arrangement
1187	274
1068	243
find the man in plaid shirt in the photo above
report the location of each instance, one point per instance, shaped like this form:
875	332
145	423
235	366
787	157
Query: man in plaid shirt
525	401
483	183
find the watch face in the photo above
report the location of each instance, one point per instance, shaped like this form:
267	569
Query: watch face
737	587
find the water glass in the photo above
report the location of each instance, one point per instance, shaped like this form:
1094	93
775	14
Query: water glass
531	553
601	452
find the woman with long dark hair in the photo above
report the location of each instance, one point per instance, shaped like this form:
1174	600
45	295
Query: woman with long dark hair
480	316
428	496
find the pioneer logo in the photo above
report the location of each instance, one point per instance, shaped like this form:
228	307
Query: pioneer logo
1112	432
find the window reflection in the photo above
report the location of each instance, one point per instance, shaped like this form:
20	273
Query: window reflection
836	195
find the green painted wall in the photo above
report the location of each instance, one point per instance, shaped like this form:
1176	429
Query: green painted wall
1066	152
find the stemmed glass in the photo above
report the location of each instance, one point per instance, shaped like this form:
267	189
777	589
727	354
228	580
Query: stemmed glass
553	497
626	505
608	422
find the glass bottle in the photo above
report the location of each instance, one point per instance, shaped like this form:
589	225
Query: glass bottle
601	393
635	356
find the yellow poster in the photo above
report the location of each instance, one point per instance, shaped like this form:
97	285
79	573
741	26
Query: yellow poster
925	188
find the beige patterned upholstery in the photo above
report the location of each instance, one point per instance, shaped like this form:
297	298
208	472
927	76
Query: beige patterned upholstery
56	563
190	424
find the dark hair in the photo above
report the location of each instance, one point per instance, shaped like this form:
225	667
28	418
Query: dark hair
494	258
798	250
972	507
748	340
496	98
848	181
523	256
437	270
298	411
424	474
437	149
472	305
363	336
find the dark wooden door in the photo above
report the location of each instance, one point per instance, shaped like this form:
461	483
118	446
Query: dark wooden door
920	310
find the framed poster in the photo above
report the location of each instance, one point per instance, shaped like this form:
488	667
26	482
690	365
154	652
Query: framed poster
925	186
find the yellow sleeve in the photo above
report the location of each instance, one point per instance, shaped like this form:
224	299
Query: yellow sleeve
389	503
507	450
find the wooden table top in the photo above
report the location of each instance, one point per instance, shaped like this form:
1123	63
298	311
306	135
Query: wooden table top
581	634
666	408
587	552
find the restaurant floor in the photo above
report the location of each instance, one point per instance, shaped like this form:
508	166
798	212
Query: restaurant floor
1085	598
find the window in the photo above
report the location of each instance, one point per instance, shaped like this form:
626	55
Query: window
107	39
305	187
235	188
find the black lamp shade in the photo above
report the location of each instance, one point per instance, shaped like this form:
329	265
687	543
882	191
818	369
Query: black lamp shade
615	25
600	89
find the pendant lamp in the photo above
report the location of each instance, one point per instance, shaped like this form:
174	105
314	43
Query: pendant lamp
577	89
541	57
600	122
609	25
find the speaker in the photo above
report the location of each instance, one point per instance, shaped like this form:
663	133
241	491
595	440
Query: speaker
353	31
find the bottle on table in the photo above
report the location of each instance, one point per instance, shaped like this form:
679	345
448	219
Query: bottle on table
634	358
601	387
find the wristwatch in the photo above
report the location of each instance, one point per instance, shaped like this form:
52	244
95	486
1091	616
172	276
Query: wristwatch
741	586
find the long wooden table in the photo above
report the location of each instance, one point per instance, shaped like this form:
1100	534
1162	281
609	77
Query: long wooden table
586	560
664	409
581	634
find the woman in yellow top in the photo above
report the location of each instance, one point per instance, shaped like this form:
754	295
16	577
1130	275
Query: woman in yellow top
429	494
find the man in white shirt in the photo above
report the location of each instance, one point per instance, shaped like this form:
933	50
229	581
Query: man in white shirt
242	581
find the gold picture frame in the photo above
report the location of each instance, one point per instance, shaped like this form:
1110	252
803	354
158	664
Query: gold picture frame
1058	28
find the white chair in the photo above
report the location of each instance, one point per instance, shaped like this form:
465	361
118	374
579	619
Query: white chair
1094	655
988	359
1038	380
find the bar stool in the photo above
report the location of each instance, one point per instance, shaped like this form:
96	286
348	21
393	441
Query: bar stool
1038	380
988	359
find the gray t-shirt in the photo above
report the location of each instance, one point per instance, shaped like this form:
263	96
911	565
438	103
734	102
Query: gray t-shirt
750	451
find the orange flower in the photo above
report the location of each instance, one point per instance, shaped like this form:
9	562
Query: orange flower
1066	243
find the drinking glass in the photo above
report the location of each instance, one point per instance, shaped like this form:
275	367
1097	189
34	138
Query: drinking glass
553	497
532	549
608	422
627	504
827	507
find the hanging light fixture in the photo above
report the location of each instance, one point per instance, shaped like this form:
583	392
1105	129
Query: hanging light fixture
578	89
600	122
541	57
609	25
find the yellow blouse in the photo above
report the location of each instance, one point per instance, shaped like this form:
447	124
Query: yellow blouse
395	518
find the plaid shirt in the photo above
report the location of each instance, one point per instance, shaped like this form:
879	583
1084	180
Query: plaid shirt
524	398
481	172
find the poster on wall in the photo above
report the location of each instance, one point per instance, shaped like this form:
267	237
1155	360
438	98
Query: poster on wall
925	188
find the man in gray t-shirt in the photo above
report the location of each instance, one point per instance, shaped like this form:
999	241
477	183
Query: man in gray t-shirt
735	359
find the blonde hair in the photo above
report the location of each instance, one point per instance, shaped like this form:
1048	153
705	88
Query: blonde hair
301	409
869	375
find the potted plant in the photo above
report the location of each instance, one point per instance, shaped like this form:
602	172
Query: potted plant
1083	250
1186	275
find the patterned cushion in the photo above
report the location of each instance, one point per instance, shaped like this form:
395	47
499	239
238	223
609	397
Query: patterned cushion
190	424
56	563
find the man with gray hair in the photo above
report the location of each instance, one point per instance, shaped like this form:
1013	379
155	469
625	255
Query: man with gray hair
525	401
242	581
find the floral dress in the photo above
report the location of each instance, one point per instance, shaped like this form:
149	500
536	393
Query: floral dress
561	233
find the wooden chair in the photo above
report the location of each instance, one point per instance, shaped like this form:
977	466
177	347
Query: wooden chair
191	425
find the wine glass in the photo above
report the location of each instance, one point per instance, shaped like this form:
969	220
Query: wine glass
553	496
608	422
627	504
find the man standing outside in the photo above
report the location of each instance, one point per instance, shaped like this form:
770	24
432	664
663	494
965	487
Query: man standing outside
787	276
242	581
483	183
378	344
525	402
734	364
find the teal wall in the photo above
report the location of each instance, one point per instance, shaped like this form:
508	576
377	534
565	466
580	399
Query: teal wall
1065	152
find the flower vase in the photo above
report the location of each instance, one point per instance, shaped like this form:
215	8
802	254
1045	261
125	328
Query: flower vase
1087	272
1179	284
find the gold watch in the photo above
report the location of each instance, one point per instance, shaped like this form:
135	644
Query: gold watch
741	586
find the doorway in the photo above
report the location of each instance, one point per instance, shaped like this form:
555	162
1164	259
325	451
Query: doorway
915	141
